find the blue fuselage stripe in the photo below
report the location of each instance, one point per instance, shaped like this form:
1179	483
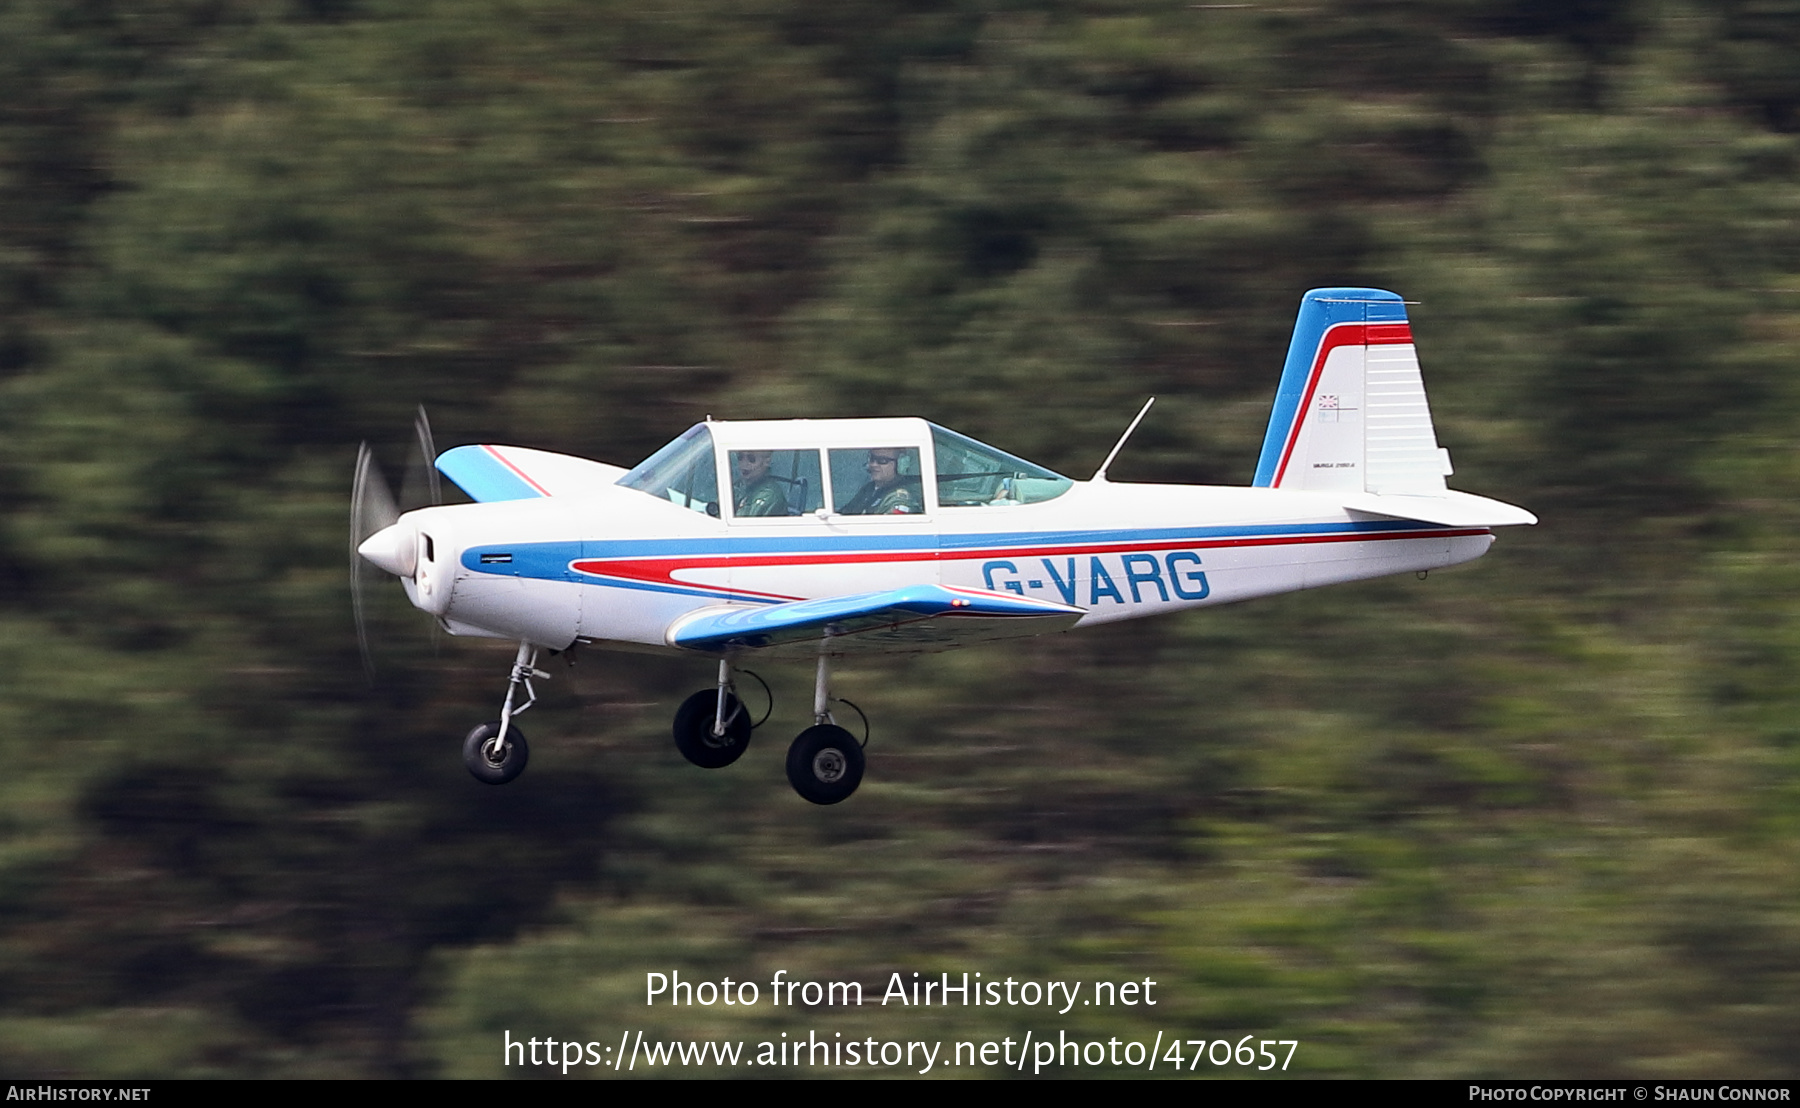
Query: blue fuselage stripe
553	561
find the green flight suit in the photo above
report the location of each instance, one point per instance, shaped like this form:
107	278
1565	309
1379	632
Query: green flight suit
767	497
897	499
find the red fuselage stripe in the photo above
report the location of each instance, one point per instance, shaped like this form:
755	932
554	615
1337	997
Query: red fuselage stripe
661	571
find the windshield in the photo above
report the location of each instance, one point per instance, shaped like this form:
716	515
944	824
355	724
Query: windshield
970	473
681	472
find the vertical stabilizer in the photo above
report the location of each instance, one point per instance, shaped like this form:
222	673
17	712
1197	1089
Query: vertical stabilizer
1350	414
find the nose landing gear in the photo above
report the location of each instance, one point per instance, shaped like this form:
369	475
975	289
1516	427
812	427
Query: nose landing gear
495	752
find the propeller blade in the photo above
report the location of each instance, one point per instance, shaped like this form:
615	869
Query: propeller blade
428	456
372	504
371	509
421	488
428	452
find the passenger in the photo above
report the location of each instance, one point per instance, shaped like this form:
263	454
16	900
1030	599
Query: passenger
887	493
757	492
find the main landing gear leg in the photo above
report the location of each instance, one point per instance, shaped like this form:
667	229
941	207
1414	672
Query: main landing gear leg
825	764
712	729
496	752
822	692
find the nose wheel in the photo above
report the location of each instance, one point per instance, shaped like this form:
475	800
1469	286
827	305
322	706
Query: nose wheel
491	760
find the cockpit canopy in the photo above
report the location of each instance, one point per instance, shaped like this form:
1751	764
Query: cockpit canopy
681	471
865	467
972	474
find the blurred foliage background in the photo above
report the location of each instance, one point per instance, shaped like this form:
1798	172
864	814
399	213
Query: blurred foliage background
1536	816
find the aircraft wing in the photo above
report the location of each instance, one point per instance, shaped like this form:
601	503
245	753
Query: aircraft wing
1452	509
489	472
914	619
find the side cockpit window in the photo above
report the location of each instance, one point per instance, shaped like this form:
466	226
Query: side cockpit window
973	474
681	472
877	481
775	483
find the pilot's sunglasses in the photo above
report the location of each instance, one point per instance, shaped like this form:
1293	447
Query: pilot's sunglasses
878	461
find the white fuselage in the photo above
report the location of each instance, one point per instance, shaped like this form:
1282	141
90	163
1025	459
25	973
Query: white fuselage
619	567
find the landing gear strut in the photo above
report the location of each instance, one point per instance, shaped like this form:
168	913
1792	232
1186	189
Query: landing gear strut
825	763
712	729
495	752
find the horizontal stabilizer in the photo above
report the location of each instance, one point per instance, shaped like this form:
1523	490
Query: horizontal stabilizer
906	620
1452	509
490	473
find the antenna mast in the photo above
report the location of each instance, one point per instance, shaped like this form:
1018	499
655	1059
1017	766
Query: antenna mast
1100	474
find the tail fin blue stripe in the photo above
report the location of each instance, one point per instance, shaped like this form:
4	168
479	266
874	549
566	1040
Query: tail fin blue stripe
1320	310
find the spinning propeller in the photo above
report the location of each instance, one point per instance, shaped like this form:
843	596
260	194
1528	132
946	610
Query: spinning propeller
378	540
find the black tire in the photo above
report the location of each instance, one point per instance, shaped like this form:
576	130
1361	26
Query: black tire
694	730
479	755
825	764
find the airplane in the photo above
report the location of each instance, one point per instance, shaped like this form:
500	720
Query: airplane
822	539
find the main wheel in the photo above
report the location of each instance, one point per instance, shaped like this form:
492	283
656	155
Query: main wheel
825	764
694	730
492	764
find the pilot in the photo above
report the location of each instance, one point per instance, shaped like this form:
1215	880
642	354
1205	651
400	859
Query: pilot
887	493
757	493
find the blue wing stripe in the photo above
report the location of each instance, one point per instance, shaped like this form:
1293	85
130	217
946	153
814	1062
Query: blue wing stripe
485	476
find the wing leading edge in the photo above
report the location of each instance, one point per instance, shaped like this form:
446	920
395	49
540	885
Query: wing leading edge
918	618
